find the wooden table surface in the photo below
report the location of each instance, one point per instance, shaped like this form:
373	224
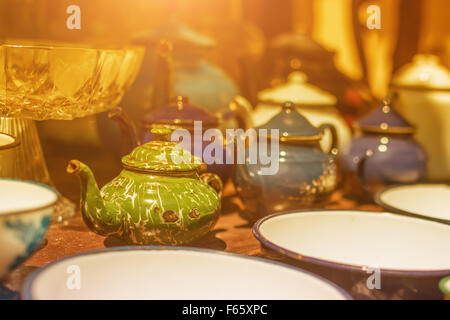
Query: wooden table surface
232	233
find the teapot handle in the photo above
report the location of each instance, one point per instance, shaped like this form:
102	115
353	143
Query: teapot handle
240	109
334	138
213	181
130	137
360	168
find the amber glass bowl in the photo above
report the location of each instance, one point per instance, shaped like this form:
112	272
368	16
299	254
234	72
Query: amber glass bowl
61	81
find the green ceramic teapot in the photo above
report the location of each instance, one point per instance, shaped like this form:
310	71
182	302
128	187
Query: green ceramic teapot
156	199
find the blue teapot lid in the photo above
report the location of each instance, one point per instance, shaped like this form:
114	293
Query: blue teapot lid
385	119
292	125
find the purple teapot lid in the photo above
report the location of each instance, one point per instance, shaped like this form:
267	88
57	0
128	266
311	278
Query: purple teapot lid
385	119
181	113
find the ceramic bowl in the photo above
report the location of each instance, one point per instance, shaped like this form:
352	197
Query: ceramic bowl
444	285
174	273
25	210
8	144
7	141
429	201
410	255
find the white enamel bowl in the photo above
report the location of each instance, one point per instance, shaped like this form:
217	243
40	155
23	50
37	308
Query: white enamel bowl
358	240
25	210
174	273
7	141
7	159
423	200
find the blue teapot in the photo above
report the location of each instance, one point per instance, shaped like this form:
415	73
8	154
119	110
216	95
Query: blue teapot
306	175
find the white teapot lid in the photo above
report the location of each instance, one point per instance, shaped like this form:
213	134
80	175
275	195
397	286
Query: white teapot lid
298	91
424	72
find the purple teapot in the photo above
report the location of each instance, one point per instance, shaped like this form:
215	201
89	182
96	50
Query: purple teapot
179	113
382	153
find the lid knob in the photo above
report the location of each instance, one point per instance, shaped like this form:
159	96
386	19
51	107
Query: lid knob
165	48
288	105
161	133
386	108
180	101
298	77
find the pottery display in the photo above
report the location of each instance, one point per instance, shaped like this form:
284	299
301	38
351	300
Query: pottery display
382	153
160	273
348	246
306	175
182	114
444	285
230	150
158	198
316	105
422	89
25	211
429	201
7	144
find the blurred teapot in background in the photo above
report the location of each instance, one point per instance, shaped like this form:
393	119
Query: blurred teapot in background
175	62
318	106
296	51
189	72
421	91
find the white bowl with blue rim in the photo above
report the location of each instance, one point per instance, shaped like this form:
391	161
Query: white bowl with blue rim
174	273
25	211
409	255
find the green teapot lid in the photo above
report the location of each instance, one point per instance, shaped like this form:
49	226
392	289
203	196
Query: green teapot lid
161	155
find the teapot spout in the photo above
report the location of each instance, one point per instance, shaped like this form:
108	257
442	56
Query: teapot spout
130	139
93	208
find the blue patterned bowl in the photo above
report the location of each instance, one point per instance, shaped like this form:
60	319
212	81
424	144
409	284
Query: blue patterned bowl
25	210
